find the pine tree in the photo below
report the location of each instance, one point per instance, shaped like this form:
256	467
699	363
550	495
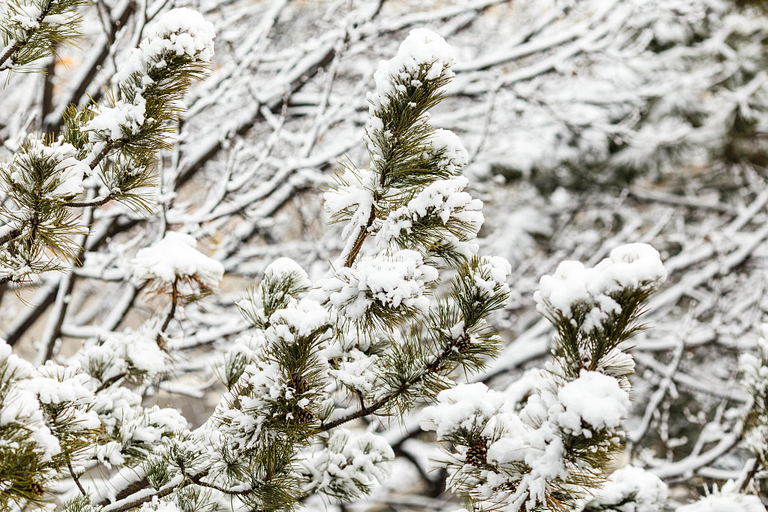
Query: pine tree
401	314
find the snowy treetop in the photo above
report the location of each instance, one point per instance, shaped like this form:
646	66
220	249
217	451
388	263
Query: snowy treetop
421	49
633	266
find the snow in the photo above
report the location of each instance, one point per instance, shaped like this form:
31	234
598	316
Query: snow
173	257
286	267
423	55
448	144
490	275
27	16
726	499
395	281
754	370
118	122
180	31
631	489
353	195
466	407
631	266
134	352
350	461
67	178
594	399
300	318
158	505
444	199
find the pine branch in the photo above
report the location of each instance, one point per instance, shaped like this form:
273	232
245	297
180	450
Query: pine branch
435	366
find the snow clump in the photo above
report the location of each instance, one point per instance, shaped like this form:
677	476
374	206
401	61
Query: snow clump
632	266
348	463
630	489
180	32
423	54
445	199
67	179
463	407
173	257
728	498
395	281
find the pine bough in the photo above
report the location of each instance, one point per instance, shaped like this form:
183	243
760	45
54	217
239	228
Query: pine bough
399	315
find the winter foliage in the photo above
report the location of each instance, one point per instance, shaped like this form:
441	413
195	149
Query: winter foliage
524	272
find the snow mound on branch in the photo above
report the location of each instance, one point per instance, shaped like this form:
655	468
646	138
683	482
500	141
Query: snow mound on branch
349	461
284	267
727	499
635	266
20	405
631	489
421	49
124	119
464	407
173	257
593	398
157	505
443	198
179	31
455	156
393	282
136	352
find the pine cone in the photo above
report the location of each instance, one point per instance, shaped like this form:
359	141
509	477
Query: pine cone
299	383
462	344
477	453
303	417
37	488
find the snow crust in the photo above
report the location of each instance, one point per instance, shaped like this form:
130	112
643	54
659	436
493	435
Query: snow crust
176	256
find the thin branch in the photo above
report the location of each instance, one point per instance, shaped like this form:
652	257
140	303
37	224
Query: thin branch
74	476
174	299
435	366
756	465
96	202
